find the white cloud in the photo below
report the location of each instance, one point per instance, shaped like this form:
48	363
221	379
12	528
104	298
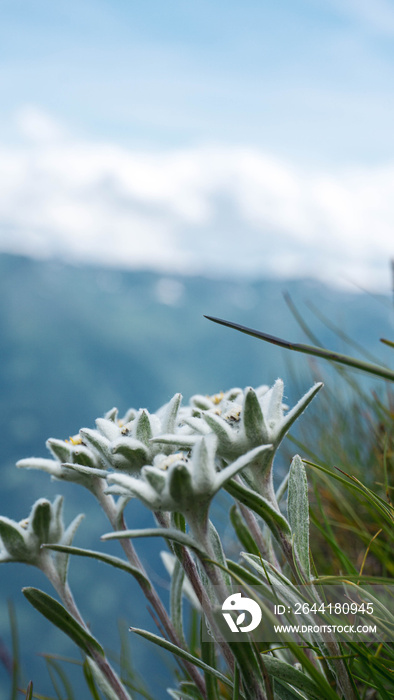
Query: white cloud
38	125
199	209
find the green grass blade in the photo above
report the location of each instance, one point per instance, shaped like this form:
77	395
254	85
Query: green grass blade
54	681
100	681
29	691
183	694
329	537
209	657
194	632
242	575
378	580
190	690
322	523
87	672
63	677
384	508
387	342
353	362
236	683
242	532
38	696
285	692
15	651
129	677
326	691
55	670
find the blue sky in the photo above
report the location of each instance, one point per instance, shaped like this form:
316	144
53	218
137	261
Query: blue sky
269	125
310	79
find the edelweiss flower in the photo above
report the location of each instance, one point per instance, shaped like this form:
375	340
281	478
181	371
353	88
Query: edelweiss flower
22	541
242	420
180	483
126	444
65	452
123	444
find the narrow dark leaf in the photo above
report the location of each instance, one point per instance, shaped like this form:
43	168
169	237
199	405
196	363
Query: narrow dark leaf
102	683
61	618
208	655
369	367
55	667
182	654
170	534
275	520
87	672
106	558
15	661
242	532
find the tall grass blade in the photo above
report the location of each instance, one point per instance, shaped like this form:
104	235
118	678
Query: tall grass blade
15	651
55	669
353	362
29	691
209	657
87	672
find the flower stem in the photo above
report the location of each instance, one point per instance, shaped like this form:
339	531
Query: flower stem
108	505
244	653
65	594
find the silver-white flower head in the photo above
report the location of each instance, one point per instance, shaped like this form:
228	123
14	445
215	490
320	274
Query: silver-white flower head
254	417
66	454
22	541
121	444
181	483
126	444
242	419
